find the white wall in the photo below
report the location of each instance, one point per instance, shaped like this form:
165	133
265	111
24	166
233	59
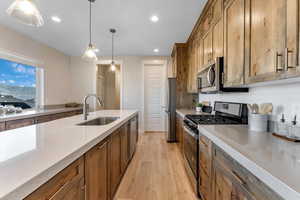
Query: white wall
55	64
84	79
285	98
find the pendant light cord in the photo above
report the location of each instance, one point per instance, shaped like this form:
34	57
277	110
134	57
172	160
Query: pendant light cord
112	48
90	22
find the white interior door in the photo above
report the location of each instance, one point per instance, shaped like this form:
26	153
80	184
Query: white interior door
153	97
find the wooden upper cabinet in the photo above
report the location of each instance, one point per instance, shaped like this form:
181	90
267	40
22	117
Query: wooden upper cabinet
293	27
217	10
193	67
96	172
234	31
218	45
200	55
267	42
207	46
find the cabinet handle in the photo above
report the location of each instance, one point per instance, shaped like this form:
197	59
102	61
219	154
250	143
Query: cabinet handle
286	64
238	178
276	62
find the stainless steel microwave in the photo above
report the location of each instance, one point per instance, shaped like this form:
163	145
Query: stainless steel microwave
210	79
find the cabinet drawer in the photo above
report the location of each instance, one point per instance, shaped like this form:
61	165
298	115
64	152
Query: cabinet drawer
44	119
205	144
250	182
68	184
19	123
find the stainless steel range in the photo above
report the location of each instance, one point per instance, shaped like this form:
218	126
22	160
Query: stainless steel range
224	113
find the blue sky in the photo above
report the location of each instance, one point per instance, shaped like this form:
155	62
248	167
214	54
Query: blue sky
16	74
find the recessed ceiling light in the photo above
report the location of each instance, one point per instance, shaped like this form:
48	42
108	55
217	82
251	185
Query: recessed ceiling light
154	18
156	50
56	19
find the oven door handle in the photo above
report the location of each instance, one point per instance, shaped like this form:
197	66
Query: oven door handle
190	132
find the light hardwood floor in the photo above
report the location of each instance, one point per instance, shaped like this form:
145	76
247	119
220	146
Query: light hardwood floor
156	172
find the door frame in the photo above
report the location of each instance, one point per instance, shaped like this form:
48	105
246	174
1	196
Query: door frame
108	62
163	63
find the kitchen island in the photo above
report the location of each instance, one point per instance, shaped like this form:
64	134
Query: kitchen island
32	156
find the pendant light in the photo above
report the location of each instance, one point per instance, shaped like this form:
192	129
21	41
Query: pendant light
112	65
90	52
26	12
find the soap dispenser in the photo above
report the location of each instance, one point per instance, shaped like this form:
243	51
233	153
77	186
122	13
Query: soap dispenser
294	130
281	127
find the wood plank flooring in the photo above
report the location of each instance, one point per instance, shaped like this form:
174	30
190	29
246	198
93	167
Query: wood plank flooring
156	172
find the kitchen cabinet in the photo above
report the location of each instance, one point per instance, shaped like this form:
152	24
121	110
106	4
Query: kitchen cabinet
227	187
179	132
235	22
193	68
67	185
200	52
208	48
133	135
268	40
125	137
19	123
96	172
217	11
115	163
218	39
205	164
2	126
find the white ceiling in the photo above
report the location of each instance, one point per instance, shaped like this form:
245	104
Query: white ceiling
136	35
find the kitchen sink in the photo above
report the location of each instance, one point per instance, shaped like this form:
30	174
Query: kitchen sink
99	121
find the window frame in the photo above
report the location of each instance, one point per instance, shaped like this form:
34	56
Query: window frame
14	57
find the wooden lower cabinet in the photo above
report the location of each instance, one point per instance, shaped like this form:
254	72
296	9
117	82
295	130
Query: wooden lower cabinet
115	162
125	137
96	172
223	178
19	123
67	185
179	132
2	126
133	135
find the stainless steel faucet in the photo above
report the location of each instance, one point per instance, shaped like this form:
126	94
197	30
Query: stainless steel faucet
85	105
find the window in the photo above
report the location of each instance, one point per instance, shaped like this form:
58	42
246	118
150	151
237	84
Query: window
18	84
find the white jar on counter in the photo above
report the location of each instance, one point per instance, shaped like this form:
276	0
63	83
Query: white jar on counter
258	122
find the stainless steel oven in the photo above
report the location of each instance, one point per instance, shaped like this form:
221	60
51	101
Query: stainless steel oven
191	152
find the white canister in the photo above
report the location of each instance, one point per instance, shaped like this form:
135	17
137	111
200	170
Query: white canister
258	122
198	109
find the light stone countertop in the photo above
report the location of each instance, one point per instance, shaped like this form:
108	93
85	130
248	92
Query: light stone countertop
31	155
35	113
274	161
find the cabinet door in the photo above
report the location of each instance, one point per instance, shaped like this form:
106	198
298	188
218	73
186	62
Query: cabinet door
66	185
293	20
218	40
234	42
227	188
115	165
268	39
125	146
133	135
19	123
96	172
217	11
200	55
2	126
207	43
